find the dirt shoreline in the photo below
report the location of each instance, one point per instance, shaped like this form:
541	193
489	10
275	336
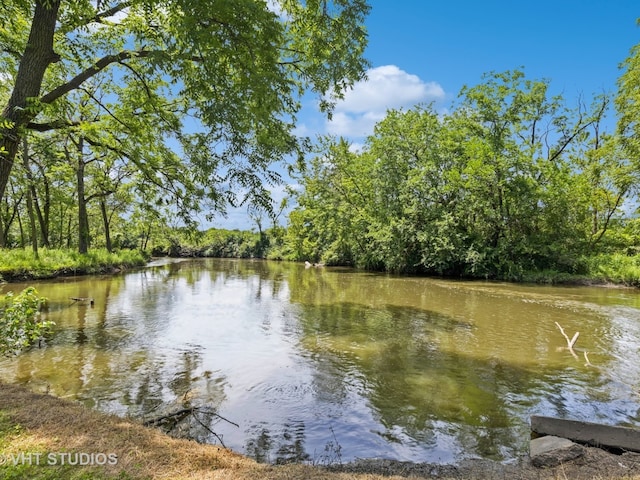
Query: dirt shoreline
59	425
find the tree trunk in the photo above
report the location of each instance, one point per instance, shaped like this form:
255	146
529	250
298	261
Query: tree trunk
22	240
83	217
7	217
43	219
3	236
43	212
63	213
38	55
30	212
69	221
105	221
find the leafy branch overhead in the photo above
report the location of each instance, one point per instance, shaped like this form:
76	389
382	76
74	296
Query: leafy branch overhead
233	71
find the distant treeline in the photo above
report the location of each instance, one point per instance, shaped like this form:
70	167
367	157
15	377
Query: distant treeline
219	243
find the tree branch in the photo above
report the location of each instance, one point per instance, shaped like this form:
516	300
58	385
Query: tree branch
97	18
14	53
96	68
570	342
96	143
104	193
104	107
53	125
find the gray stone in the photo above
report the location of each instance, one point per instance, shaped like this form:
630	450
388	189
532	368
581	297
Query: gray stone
594	434
551	451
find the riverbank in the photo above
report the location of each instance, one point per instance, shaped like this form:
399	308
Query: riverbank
617	270
20	264
38	433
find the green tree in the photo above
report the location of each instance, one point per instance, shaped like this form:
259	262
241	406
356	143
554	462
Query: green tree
330	223
628	106
238	67
511	181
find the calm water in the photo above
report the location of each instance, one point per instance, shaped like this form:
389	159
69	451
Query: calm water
311	361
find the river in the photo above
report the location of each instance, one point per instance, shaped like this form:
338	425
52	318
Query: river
333	364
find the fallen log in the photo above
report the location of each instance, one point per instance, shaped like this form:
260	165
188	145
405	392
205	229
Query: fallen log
593	434
88	300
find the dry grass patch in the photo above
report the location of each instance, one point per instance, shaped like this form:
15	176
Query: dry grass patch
54	425
49	424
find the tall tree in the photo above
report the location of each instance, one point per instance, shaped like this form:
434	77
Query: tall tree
628	107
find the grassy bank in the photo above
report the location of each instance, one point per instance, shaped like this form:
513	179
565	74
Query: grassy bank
20	264
603	269
615	268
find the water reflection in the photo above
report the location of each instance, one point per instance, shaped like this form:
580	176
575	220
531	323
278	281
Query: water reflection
317	362
286	446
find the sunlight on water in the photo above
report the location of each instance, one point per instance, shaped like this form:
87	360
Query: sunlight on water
315	363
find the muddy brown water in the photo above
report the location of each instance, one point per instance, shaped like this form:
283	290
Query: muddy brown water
331	364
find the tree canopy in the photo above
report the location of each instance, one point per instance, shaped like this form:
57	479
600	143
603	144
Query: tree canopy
512	180
199	96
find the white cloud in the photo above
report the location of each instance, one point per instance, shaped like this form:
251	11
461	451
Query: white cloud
385	87
349	124
356	147
302	130
275	7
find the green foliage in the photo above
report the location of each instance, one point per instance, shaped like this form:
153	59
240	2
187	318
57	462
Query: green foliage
509	183
615	268
232	244
20	324
116	103
219	243
628	105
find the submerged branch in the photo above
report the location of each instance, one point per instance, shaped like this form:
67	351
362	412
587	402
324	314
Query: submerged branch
171	420
570	342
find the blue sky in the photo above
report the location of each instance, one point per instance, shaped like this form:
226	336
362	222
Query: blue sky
423	51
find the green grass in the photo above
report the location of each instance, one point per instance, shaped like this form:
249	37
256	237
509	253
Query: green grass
34	463
21	263
615	268
49	472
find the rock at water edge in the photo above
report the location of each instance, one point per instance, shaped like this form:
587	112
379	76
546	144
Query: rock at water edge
551	451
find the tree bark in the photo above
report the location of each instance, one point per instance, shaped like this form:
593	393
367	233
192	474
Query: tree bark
105	221
30	212
38	55
44	211
6	220
3	235
43	218
83	217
